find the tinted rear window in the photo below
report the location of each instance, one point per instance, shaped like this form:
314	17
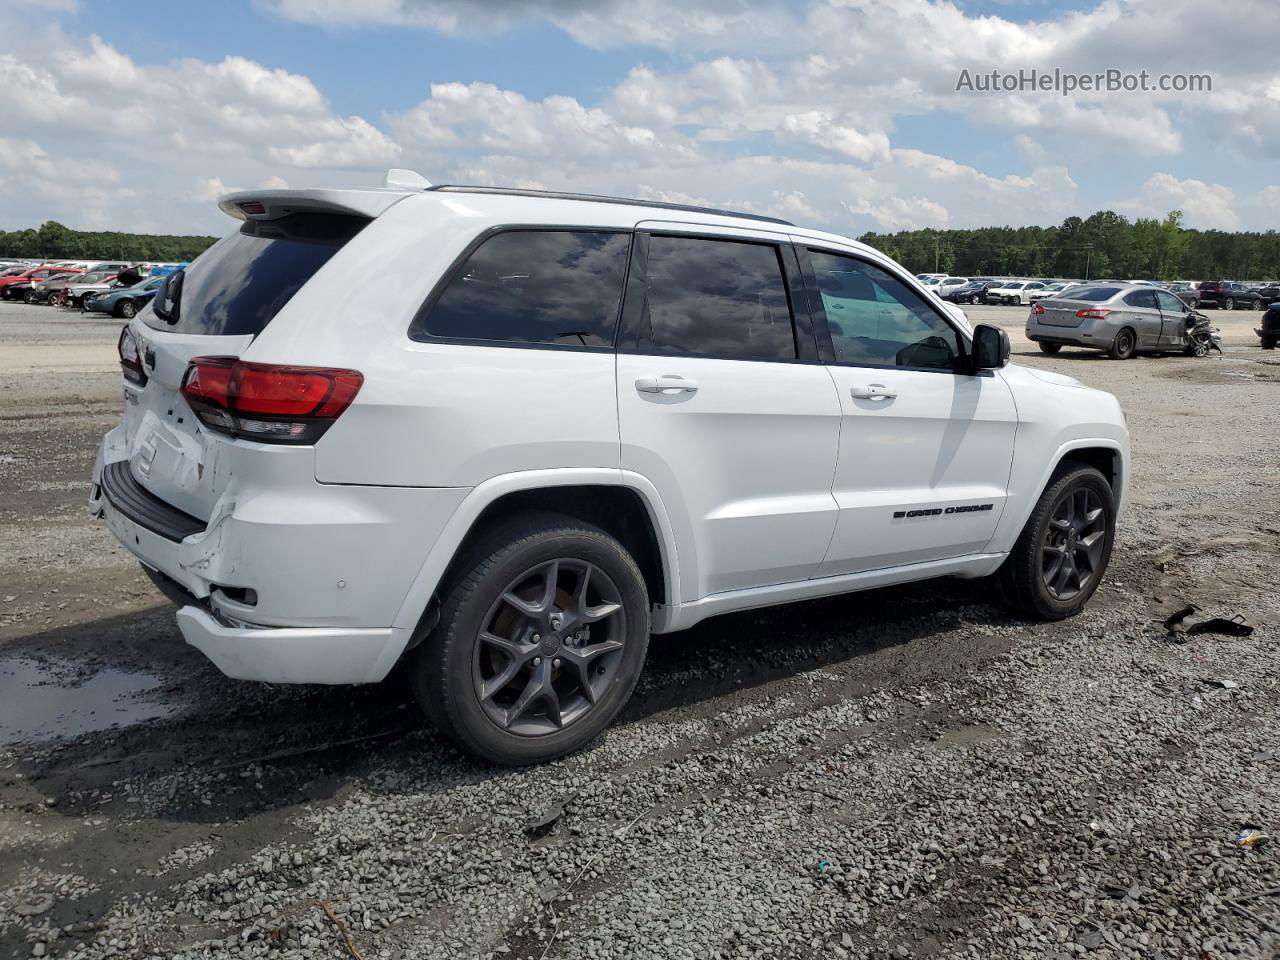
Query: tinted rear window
240	283
534	286
721	298
1093	293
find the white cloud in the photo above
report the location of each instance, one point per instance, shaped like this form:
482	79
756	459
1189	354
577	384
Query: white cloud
1207	206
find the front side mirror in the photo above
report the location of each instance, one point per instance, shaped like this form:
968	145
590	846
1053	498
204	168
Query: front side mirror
990	347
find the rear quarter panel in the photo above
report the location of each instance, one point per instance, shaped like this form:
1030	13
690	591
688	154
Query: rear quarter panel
441	414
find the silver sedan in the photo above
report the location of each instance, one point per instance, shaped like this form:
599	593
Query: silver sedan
1120	318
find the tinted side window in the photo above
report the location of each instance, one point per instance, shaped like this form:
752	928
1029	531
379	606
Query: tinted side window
534	286
719	297
876	319
1146	299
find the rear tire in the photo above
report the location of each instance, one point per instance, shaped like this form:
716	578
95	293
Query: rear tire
127	309
1029	581
31	297
510	699
1268	343
1229	303
1050	348
1124	346
1256	305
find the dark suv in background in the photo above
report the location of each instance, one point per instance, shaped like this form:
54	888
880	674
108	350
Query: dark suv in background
1227	295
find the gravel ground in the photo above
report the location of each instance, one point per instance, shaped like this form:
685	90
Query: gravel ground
902	773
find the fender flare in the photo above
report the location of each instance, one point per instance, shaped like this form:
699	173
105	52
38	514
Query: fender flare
483	495
1006	536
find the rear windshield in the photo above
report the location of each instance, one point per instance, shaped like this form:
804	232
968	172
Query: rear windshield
1094	293
240	283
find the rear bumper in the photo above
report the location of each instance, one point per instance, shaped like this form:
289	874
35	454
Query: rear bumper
1085	335
290	581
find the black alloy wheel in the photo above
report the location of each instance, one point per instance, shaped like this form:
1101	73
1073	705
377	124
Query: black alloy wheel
1062	553
549	648
543	630
1072	551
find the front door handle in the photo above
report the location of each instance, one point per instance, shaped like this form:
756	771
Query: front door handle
875	391
668	383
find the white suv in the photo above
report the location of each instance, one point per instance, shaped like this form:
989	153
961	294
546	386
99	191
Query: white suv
508	435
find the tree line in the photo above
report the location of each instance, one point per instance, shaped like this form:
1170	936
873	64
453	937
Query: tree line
53	241
1104	246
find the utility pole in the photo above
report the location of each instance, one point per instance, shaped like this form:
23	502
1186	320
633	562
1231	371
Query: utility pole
935	253
1087	258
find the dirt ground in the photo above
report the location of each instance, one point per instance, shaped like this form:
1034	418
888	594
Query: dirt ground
907	772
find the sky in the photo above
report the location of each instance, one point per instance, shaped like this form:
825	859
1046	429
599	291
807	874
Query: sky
838	114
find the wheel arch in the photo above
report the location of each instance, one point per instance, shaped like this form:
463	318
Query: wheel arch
1106	454
622	503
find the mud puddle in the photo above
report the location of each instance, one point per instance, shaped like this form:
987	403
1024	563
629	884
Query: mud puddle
41	700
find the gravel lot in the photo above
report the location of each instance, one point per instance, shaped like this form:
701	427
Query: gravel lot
904	773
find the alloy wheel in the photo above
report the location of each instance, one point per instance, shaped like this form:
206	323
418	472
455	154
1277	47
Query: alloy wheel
1074	541
549	647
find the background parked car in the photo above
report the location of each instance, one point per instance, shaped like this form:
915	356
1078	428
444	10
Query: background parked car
1048	290
1269	292
73	293
1227	295
1184	292
14	286
124	302
1014	291
948	285
52	290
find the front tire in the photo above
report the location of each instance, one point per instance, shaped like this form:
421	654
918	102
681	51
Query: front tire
1124	346
1063	551
541	639
1050	348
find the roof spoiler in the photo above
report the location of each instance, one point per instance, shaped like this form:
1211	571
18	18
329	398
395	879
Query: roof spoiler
272	204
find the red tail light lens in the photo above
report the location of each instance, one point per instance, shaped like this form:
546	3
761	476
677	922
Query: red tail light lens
131	357
268	402
1092	313
1039	309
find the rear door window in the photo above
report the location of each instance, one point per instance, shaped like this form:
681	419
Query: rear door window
717	298
1145	299
559	287
239	284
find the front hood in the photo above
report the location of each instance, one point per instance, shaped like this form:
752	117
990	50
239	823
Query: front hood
1060	379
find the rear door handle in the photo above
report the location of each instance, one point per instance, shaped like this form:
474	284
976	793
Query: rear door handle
663	384
875	391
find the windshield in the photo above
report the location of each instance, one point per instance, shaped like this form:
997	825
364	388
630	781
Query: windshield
240	283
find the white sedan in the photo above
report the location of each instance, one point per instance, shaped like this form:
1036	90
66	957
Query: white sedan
1014	291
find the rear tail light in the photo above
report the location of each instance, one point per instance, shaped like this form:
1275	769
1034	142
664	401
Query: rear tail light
1039	308
1093	313
131	358
268	402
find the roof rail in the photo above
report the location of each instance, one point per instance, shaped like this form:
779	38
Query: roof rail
593	198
